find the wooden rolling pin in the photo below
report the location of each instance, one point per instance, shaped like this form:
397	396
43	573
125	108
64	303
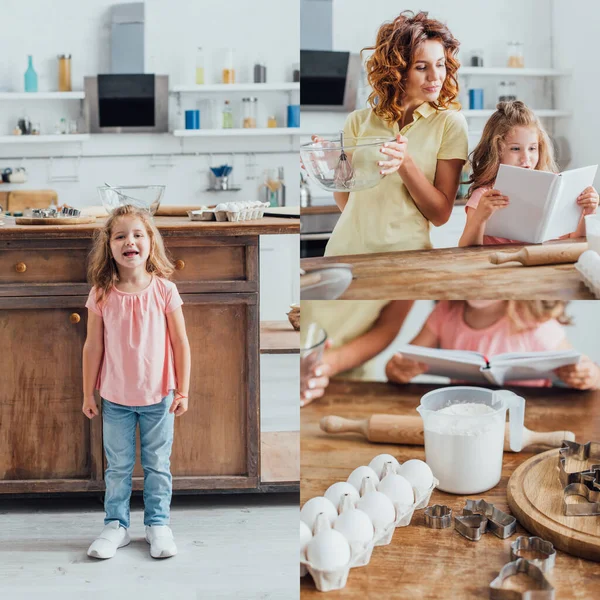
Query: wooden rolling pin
531	256
395	429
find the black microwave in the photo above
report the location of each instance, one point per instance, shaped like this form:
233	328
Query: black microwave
127	103
329	80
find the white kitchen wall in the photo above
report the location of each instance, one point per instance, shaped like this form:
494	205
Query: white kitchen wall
583	333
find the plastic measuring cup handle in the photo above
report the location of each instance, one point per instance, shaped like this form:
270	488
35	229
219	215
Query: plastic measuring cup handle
516	417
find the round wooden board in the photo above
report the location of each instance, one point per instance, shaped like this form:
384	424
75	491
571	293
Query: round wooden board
54	221
535	497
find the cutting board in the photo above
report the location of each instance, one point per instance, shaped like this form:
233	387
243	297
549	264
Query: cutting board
22	199
283	211
535	497
54	221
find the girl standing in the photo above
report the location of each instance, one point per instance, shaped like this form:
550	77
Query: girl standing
138	356
512	136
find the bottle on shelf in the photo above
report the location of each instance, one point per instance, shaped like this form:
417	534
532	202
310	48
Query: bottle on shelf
260	72
31	78
227	116
250	105
228	69
64	73
280	195
271	121
199	66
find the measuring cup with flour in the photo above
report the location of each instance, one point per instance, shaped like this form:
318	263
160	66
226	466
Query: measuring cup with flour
464	435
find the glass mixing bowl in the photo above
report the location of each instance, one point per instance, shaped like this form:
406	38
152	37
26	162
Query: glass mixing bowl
147	197
324	163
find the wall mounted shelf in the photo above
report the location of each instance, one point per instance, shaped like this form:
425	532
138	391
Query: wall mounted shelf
42	95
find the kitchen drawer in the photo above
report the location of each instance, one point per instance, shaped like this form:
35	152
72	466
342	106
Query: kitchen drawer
41	265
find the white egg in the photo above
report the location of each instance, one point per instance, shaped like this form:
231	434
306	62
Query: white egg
317	505
418	473
379	507
305	535
336	492
329	550
377	463
355	525
398	489
221	207
357	476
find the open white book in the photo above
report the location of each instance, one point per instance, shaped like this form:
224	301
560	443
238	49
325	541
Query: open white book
542	206
473	366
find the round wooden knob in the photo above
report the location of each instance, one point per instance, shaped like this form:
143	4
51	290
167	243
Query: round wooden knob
74	318
179	265
20	267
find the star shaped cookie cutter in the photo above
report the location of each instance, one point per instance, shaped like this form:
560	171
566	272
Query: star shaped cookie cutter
537	545
544	591
501	524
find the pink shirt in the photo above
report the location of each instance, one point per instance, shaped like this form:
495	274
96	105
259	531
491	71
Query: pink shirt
447	322
473	203
137	367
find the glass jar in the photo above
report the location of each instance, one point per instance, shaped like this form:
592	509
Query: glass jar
512	90
260	72
249	112
228	70
502	92
227	116
199	66
515	55
477	58
271	121
64	73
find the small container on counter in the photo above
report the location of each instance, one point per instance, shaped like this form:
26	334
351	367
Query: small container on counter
228	69
227	115
260	72
249	111
477	58
192	119
476	99
293	115
515	55
64	73
271	122
296	72
199	66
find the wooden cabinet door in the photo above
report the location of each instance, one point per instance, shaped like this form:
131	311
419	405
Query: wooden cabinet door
46	443
216	443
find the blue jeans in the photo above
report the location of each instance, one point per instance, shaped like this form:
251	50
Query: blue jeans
156	436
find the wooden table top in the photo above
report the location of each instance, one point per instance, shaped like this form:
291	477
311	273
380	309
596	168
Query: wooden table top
454	274
169	226
279	337
422	562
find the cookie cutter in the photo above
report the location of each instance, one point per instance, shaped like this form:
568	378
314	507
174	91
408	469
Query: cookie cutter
438	516
582	452
537	545
587	509
501	524
472	526
545	591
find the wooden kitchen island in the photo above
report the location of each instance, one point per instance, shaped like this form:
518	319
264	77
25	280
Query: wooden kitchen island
454	274
436	563
47	445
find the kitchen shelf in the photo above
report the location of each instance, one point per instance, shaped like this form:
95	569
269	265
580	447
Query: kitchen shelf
236	87
43	139
513	72
236	132
42	95
539	113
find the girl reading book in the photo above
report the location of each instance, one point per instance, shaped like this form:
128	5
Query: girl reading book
493	327
513	136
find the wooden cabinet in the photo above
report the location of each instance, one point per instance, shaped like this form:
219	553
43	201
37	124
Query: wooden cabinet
46	443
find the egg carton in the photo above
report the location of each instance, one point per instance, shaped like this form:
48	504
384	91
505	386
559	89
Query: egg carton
346	495
588	266
240	211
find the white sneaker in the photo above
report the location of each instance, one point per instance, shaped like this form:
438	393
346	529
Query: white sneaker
160	538
113	536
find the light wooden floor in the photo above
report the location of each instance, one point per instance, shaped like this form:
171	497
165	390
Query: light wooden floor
240	547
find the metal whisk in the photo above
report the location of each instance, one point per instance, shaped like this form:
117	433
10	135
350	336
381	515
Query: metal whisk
344	173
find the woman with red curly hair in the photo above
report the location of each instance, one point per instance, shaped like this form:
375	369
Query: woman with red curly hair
412	72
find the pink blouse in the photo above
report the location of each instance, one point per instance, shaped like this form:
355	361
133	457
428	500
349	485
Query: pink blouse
447	323
138	367
473	203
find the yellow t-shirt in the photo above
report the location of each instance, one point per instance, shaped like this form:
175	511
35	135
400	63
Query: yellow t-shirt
385	218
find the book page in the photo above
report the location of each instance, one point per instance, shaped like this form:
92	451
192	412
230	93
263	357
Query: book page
530	365
529	193
566	213
456	364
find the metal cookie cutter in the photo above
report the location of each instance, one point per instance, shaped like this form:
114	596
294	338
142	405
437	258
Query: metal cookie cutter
582	452
438	516
534	545
545	591
501	524
586	509
472	527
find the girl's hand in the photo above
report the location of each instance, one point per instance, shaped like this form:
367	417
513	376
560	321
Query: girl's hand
90	410
318	377
397	151
585	375
489	203
588	201
401	370
179	405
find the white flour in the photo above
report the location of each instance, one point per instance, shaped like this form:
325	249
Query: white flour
465	454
